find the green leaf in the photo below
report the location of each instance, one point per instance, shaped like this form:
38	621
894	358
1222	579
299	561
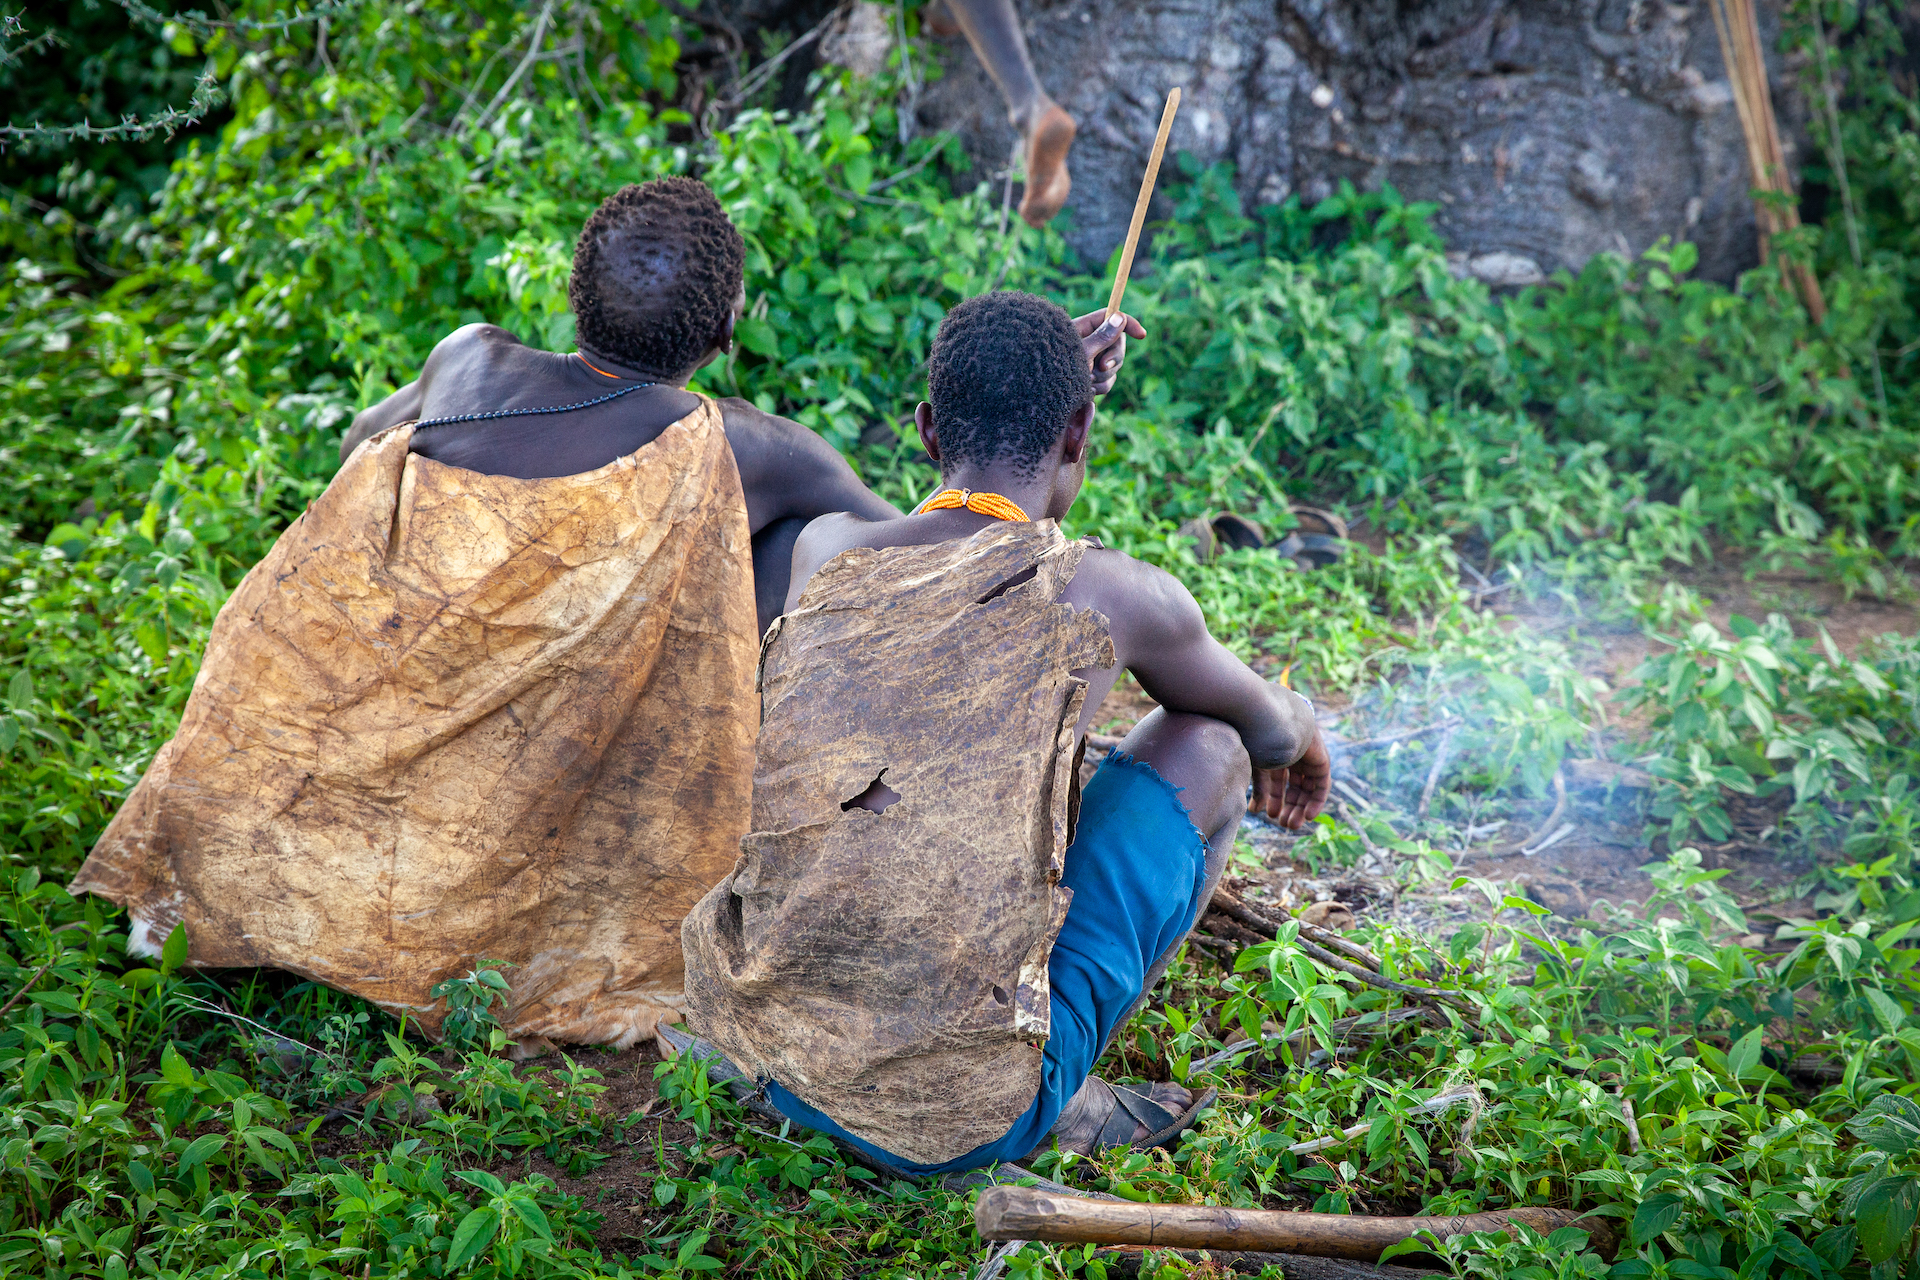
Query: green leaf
174	953
1567	1240
1885	1214
201	1149
1745	1055
529	1212
1656	1214
483	1180
174	1069
140	1177
757	336
1884	1009
475	1233
152	641
70	539
859	171
20	690
1890	1123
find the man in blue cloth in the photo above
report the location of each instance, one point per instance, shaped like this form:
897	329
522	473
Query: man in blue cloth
931	935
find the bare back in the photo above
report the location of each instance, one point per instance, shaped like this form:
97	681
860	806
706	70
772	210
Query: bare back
787	473
1158	631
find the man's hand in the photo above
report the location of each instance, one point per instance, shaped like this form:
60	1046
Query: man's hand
1105	342
1294	796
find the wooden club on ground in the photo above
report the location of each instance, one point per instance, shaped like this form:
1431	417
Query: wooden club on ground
1033	1213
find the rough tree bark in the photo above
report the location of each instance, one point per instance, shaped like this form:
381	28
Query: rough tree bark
1545	130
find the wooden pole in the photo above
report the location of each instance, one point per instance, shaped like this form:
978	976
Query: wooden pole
1140	205
1738	31
1031	1213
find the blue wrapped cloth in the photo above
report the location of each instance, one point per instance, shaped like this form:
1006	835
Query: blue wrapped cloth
1137	866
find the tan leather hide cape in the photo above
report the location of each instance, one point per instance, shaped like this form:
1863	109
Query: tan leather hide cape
454	717
891	968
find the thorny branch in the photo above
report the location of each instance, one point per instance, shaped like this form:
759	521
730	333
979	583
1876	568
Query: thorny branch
206	96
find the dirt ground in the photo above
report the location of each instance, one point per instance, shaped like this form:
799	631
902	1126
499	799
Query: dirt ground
1598	867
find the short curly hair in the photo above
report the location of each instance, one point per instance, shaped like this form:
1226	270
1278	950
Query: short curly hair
1006	373
655	274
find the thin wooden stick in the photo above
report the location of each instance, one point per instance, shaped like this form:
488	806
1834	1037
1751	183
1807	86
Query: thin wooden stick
1739	34
1140	205
1029	1213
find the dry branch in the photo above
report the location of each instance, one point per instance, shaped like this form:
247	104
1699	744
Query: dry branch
1546	828
1405	735
1230	917
1739	34
1023	1213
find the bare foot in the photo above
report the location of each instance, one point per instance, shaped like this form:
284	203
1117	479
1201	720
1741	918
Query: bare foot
1048	183
938	21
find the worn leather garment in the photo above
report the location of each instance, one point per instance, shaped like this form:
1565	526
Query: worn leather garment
454	717
890	968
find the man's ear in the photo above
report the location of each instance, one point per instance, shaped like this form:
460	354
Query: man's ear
723	340
1073	445
929	438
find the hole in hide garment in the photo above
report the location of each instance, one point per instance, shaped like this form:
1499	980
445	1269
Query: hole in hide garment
1000	994
877	797
1025	575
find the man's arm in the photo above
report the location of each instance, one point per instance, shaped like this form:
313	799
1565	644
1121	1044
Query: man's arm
1161	636
402	406
788	471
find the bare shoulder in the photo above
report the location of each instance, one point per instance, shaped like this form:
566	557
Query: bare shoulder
787	470
826	537
748	424
468	338
1138	598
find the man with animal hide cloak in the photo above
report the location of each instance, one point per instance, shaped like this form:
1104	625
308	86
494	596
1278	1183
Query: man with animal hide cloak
931	935
491	696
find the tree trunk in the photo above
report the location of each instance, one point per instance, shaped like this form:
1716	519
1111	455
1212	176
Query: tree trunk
1544	131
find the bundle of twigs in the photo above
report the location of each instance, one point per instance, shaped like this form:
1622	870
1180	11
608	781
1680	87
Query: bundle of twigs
1232	918
1739	32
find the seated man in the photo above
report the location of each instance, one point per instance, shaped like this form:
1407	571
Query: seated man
491	696
929	937
656	289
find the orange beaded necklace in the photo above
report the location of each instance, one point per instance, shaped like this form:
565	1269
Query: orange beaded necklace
986	504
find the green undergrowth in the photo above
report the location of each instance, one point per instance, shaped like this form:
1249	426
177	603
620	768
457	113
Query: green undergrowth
186	341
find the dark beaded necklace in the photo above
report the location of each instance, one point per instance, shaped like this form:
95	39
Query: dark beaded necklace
523	413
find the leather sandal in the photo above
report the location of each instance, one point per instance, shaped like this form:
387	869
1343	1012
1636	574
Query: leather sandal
1102	1115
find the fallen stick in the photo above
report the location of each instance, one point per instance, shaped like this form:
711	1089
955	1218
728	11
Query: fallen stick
1140	205
1026	1213
1441	754
1373	979
1381	1024
38	974
1235	907
1241	918
1552	822
1468	1097
1388	739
